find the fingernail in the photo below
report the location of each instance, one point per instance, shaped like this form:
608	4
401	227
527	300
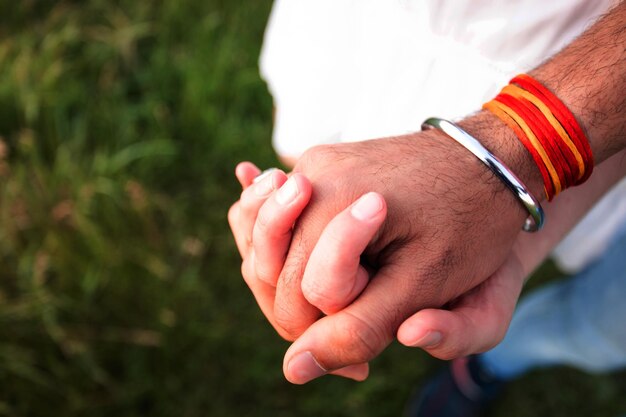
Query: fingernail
288	192
263	175
303	368
367	207
430	339
265	186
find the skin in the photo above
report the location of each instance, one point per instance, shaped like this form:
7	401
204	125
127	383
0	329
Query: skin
429	243
478	320
474	322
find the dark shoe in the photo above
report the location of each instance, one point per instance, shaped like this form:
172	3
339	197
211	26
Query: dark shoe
461	389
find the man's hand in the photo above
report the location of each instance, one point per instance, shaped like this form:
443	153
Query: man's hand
475	321
339	249
450	225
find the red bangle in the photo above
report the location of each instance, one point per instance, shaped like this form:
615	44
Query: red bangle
563	161
513	104
548	130
500	110
562	113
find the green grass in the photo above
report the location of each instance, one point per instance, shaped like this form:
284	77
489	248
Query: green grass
120	294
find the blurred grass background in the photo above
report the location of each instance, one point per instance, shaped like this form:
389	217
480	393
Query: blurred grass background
120	294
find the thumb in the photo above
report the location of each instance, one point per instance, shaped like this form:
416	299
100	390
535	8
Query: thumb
354	335
476	322
333	277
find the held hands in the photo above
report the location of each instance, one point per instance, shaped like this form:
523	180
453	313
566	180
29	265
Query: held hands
439	228
424	242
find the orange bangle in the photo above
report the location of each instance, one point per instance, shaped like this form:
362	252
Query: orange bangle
548	130
494	107
535	144
562	113
517	92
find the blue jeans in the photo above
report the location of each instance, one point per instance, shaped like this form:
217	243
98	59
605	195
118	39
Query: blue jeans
579	321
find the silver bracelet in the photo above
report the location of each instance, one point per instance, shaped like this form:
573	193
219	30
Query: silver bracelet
534	222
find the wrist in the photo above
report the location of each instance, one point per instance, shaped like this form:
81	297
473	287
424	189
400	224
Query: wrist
535	220
500	140
484	182
588	77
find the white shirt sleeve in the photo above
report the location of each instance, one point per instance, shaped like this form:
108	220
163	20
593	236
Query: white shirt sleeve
348	70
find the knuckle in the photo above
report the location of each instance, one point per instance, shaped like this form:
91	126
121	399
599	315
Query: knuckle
247	201
336	238
321	297
233	213
359	339
267	226
265	272
314	294
246	271
264	221
312	157
311	154
251	201
291	325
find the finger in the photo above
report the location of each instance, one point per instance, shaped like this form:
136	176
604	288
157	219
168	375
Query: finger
475	324
242	214
263	293
292	310
246	210
246	172
358	372
333	277
233	221
272	231
354	335
252	198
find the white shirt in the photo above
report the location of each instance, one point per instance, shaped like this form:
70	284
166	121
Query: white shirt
349	70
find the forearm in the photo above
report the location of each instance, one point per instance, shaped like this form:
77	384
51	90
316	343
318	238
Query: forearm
589	77
567	210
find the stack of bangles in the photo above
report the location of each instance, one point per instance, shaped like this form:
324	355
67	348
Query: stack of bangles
546	128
